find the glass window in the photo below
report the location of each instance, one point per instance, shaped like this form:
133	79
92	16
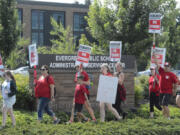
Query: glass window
41	38
20	16
59	17
35	37
37	27
34	20
41	20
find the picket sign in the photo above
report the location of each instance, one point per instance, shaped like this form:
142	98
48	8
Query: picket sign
33	55
159	55
115	48
83	55
107	89
155	22
33	59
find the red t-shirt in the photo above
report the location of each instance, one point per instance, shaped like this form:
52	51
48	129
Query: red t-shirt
167	79
86	78
79	94
156	88
42	88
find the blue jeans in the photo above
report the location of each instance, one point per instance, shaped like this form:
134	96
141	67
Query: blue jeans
43	106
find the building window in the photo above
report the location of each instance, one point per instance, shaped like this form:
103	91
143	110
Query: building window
59	17
37	29
20	20
79	26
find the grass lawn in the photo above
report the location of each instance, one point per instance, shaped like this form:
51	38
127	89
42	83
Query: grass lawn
135	124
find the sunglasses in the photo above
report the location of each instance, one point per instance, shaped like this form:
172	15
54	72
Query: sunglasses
43	69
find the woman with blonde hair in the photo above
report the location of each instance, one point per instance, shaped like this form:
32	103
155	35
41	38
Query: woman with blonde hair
105	70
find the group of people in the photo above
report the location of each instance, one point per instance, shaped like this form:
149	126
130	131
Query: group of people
44	91
161	85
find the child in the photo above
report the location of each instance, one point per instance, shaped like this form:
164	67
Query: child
80	96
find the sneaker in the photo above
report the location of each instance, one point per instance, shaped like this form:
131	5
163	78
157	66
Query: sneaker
57	121
69	122
86	119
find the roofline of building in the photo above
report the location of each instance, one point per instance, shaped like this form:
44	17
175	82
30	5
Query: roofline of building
30	2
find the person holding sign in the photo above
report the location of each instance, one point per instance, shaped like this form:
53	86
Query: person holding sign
44	91
86	82
9	97
167	81
80	96
121	91
154	91
105	70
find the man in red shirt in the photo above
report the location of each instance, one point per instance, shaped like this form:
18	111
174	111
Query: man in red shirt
167	84
86	82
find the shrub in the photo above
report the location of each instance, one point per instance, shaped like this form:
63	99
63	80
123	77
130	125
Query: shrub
24	98
141	88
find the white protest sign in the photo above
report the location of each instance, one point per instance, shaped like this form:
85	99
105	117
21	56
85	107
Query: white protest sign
155	22
107	89
33	55
159	54
83	56
1	66
115	50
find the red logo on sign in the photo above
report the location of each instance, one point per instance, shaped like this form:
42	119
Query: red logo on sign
32	57
154	24
83	57
159	58
115	53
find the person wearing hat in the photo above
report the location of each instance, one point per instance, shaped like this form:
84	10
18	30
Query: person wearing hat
86	82
154	91
105	70
121	91
167	83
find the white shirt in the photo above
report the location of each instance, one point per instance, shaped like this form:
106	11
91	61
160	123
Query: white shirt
5	89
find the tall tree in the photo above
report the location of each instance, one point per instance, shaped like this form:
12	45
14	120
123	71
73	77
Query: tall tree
127	20
9	21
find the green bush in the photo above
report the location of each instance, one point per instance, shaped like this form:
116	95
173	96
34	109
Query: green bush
24	98
141	88
138	124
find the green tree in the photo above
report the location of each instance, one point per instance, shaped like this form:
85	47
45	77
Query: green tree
18	56
127	21
9	22
62	42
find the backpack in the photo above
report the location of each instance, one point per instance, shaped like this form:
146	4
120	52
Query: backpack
54	86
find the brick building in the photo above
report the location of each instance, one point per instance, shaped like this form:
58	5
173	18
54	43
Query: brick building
35	19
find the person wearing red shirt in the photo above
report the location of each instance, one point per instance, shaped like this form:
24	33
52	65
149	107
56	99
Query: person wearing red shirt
44	91
80	97
121	91
154	91
167	84
105	70
86	82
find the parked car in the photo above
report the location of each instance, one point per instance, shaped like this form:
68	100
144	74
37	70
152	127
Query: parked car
21	70
146	72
